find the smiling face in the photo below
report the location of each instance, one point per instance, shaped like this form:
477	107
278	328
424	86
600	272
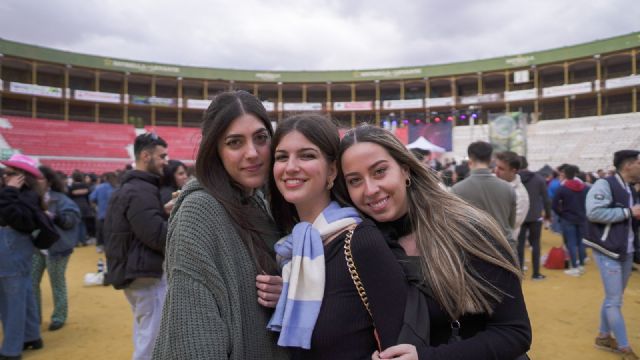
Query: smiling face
244	151
156	159
181	176
303	174
375	181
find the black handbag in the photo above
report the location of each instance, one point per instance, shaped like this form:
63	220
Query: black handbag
45	234
415	325
455	337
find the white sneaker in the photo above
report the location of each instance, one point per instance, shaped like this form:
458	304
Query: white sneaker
573	272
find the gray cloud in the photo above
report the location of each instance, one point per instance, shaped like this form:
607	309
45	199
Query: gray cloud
312	34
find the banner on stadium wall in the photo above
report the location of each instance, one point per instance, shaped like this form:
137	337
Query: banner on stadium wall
519	95
565	90
477	99
38	90
521	77
301	106
508	132
436	102
438	133
198	104
402	104
152	100
269	106
96	96
631	80
353	106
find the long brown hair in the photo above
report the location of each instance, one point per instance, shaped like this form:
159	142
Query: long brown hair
448	232
251	223
321	132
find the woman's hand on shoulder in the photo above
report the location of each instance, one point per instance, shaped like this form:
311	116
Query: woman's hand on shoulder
402	351
269	288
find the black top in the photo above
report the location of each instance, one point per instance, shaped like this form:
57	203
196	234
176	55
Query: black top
344	329
82	200
506	334
16	208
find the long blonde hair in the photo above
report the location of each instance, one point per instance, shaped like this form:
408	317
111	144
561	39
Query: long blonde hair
448	232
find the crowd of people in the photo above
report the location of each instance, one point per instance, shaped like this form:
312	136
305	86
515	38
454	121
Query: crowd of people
296	244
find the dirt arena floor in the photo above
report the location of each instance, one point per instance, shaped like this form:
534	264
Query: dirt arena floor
564	313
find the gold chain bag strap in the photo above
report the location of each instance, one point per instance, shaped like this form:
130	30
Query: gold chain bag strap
353	271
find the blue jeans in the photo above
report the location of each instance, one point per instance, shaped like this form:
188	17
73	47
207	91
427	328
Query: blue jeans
615	276
20	320
572	234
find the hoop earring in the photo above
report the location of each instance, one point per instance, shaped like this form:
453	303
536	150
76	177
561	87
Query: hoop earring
330	185
408	182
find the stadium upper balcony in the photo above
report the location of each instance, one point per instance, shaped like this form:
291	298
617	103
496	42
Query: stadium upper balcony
590	79
41	137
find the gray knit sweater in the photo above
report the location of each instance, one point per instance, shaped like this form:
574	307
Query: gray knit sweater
211	309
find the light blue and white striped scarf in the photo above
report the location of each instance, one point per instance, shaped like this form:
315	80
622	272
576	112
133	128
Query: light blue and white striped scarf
301	256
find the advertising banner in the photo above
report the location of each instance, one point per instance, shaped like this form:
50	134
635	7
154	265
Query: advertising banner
508	132
402	104
477	99
198	104
353	106
436	102
631	80
519	95
438	133
521	77
96	96
269	106
152	100
565	90
302	106
32	89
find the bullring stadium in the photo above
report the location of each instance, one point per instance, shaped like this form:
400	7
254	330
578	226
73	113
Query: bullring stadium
573	104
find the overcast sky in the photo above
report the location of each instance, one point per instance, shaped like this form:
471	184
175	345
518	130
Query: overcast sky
313	34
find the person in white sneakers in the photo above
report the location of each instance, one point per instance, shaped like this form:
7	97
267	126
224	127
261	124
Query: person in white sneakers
569	204
613	210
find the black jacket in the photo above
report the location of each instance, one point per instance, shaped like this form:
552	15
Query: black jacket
135	230
538	197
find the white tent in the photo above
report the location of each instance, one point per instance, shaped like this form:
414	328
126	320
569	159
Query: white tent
424	144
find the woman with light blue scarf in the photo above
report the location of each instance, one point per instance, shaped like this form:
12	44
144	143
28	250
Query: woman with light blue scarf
320	314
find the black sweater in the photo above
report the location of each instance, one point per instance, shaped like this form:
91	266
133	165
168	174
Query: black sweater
344	329
506	334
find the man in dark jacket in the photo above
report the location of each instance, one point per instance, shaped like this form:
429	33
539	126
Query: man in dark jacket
613	210
135	234
538	201
568	203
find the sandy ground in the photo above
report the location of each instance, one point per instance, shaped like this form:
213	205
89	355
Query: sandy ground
564	313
